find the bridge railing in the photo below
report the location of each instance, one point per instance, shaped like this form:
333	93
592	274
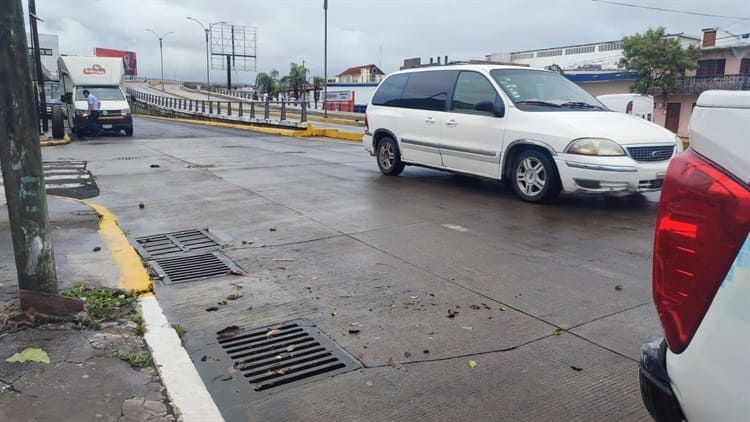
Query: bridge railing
277	113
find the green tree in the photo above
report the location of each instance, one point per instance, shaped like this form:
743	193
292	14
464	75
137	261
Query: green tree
317	86
264	83
658	61
297	79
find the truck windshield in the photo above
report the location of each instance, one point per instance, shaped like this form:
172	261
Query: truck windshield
538	90
103	93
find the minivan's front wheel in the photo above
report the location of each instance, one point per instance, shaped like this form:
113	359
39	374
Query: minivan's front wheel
389	158
535	177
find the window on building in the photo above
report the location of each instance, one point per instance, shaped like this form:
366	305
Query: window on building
580	50
522	56
471	89
745	67
709	68
549	53
610	46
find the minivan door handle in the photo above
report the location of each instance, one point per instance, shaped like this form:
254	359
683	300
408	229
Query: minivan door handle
429	121
451	123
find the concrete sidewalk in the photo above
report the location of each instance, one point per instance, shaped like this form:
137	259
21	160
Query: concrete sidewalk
85	379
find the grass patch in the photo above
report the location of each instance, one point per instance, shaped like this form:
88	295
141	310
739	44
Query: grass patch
180	330
136	360
101	305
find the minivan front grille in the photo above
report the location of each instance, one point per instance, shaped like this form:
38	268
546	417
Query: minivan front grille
651	153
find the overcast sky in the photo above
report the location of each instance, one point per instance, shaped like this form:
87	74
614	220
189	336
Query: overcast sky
359	30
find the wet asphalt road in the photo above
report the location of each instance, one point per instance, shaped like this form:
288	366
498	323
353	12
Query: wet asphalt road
325	237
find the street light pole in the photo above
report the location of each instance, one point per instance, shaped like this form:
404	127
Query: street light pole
208	67
325	58
161	52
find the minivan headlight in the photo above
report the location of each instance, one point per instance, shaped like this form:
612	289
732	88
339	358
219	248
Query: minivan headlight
595	146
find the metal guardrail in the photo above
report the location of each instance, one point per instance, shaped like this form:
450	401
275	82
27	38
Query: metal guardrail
276	113
694	85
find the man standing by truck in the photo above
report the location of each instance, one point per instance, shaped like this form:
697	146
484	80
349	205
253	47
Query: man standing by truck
93	120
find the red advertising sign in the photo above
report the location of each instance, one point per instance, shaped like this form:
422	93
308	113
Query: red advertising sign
128	58
94	70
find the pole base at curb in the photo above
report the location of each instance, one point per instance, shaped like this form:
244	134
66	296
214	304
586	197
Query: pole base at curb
50	304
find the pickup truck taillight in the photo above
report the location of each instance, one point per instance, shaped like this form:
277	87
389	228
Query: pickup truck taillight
702	222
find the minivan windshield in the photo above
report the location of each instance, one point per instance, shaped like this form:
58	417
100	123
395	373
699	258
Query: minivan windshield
539	90
103	93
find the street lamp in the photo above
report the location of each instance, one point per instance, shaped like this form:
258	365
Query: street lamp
208	72
325	58
161	52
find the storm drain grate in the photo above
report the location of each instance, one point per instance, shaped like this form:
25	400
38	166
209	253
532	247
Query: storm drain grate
178	269
285	353
176	242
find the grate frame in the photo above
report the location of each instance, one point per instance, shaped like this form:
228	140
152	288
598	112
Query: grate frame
651	153
173	243
192	267
261	365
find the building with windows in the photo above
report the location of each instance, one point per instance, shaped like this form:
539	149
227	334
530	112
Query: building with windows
367	74
724	64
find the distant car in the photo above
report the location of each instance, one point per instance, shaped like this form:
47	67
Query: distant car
634	104
701	273
534	128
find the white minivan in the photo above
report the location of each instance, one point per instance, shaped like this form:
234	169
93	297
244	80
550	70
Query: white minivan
530	126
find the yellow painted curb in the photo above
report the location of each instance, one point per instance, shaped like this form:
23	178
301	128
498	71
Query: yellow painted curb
63	141
133	275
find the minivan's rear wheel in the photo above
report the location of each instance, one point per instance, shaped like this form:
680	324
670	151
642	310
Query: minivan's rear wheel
389	158
535	177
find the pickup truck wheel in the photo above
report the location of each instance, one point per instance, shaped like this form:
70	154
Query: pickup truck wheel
129	131
535	177
389	157
58	123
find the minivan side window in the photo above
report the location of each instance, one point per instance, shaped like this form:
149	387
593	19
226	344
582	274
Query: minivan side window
389	92
471	89
428	90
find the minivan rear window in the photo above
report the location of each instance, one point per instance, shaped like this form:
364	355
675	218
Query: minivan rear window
428	90
389	92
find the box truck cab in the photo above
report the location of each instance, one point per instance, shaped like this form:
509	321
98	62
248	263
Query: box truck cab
102	77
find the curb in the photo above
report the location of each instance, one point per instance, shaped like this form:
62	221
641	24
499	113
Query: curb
185	389
309	132
53	143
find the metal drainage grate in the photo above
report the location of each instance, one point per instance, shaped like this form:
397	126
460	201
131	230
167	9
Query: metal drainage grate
178	269
176	242
281	354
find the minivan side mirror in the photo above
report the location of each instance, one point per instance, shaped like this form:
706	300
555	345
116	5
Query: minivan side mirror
496	109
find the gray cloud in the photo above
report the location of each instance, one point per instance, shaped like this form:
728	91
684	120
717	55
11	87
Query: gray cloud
358	30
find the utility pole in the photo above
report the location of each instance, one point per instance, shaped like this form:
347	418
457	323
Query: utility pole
38	62
21	160
325	57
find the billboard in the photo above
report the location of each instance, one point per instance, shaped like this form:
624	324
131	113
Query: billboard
128	59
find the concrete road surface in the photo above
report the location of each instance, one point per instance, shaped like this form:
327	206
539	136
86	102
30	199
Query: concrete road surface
466	303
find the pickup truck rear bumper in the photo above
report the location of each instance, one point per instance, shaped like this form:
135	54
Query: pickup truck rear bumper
656	393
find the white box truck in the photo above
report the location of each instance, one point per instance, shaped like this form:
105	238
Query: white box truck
635	104
101	76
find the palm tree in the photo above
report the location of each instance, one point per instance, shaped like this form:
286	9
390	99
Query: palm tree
297	79
317	85
265	83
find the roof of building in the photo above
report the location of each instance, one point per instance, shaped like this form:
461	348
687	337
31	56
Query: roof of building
681	34
356	70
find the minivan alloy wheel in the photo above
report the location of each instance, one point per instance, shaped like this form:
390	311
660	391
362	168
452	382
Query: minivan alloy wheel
386	155
531	176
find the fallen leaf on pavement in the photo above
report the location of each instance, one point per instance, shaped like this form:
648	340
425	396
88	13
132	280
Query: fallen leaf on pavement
475	307
33	354
452	313
426	352
97	249
315	277
502	309
236	272
141	205
557	332
212	309
618	287
472	364
290	348
354	331
576	368
355	324
222	303
228	332
397	365
407	355
284	355
467	328
273	229
235	296
154	166
369	383
271	333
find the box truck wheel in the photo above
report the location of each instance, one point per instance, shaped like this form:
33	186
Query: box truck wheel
58	123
